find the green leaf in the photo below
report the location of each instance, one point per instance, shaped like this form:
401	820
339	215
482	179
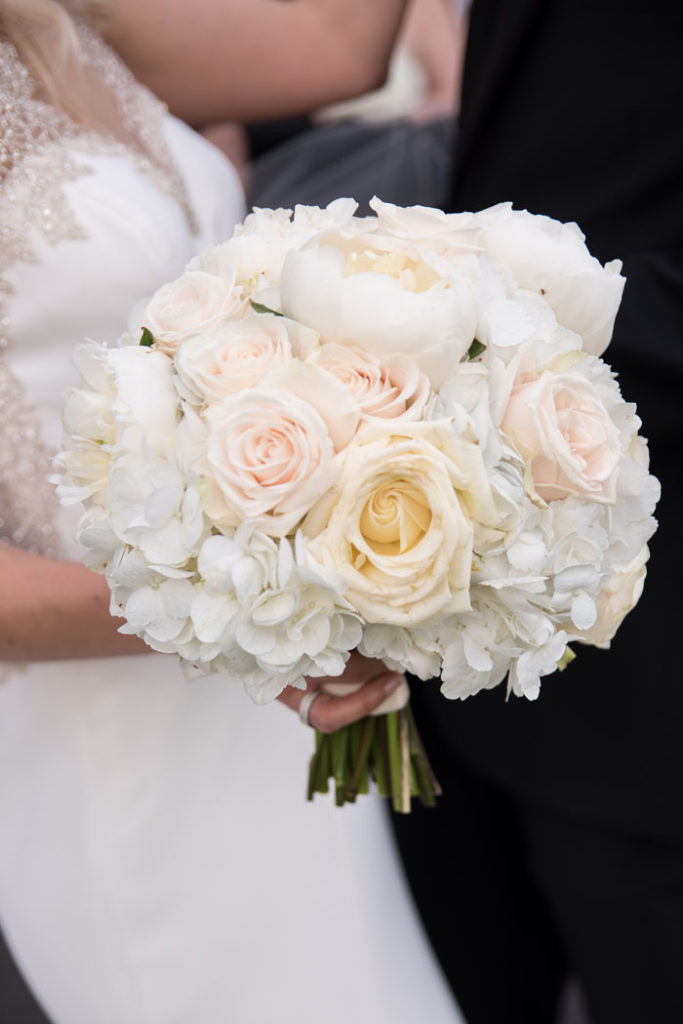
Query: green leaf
475	349
147	338
258	307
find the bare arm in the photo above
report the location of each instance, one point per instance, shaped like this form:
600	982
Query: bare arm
53	609
434	32
214	60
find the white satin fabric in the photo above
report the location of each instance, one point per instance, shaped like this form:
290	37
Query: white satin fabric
158	861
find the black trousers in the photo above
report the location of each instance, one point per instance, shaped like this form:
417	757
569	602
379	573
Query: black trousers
516	897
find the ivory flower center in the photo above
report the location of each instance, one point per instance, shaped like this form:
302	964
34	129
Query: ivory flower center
395	518
413	274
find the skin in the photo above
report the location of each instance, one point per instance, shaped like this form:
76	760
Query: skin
249	59
52	609
328	713
435	34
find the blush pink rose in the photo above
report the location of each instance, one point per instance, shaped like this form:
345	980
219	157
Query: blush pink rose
188	305
559	423
232	355
383	390
269	457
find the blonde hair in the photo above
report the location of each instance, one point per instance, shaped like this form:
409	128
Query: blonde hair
44	34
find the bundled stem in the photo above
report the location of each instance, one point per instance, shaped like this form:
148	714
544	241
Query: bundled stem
384	748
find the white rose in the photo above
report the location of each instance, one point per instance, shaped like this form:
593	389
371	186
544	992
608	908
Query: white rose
383	296
231	355
397	525
382	390
191	304
551	259
562	426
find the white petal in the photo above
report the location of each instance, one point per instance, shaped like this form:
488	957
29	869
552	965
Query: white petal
275	609
255	640
163	503
477	657
584	612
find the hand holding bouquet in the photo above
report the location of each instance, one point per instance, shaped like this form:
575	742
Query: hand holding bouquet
391	434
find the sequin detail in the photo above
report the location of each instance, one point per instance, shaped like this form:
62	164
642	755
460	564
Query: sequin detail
36	161
27	509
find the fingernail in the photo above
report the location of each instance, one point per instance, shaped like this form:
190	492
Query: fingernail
392	682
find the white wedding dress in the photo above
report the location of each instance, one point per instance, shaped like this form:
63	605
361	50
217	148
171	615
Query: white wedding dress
158	861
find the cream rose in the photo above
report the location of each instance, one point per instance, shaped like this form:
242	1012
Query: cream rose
188	305
231	355
382	295
382	390
397	525
559	422
269	456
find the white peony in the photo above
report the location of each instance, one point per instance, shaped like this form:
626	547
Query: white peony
551	259
392	300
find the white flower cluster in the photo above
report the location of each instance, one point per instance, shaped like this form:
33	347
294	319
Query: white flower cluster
391	433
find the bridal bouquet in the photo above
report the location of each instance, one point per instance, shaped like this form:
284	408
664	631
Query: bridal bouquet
393	434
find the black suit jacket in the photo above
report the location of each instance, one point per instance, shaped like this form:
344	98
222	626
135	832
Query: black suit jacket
573	108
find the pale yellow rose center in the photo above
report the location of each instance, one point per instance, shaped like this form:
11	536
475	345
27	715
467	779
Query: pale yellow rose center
395	518
413	274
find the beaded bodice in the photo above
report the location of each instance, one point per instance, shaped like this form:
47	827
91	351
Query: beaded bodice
41	151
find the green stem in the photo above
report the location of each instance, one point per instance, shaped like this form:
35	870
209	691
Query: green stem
384	747
404	749
395	760
339	747
428	783
359	773
379	758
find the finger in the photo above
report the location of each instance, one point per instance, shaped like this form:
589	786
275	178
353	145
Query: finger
292	696
327	713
